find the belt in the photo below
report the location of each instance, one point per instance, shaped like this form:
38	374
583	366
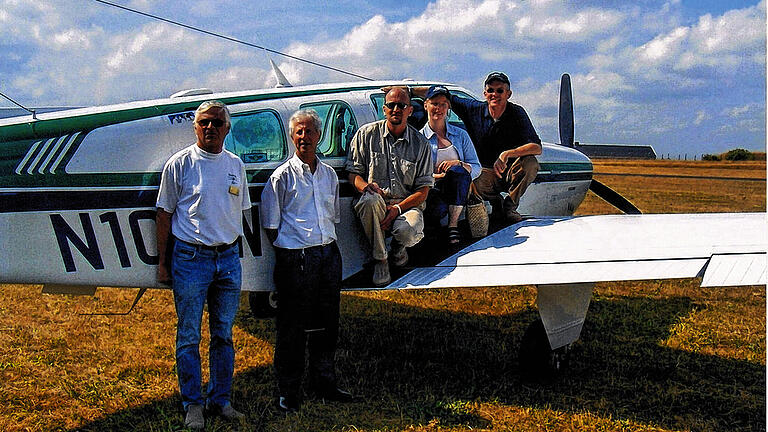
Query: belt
306	249
219	248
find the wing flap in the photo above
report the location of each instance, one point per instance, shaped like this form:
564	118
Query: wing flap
736	269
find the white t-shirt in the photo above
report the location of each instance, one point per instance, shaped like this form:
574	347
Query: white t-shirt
206	192
446	154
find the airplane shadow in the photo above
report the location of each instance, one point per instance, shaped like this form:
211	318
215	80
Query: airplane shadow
411	365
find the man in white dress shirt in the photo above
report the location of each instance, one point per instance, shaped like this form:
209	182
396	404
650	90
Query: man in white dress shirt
299	210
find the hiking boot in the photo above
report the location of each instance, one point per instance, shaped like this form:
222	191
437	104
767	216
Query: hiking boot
288	404
195	418
513	217
381	274
509	210
399	255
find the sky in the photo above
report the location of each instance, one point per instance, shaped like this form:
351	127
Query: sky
687	77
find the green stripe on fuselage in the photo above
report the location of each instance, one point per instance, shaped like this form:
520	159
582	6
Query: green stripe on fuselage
255	176
564	167
39	129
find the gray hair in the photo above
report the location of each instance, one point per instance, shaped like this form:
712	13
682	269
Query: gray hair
303	115
205	106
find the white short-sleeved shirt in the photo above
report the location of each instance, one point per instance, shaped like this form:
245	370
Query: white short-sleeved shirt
303	207
207	193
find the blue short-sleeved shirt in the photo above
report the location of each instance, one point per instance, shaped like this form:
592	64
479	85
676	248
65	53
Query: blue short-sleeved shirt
490	137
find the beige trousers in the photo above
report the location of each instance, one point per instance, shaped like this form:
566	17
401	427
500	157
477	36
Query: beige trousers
407	229
514	181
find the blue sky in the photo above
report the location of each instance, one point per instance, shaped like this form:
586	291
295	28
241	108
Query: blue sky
682	76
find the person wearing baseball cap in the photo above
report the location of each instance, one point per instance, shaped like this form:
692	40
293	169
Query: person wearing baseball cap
455	163
505	140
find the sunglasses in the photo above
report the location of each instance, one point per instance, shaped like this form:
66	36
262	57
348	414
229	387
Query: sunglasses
498	90
392	105
214	122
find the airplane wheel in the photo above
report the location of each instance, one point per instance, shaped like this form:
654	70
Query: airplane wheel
263	303
538	361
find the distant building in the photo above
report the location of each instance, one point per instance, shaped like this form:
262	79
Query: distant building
616	151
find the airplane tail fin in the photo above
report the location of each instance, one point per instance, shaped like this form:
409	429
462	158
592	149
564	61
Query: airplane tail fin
566	111
282	81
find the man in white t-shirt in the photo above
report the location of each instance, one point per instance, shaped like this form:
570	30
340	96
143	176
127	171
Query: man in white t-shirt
203	192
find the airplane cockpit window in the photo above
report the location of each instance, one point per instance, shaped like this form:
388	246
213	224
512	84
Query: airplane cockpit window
339	126
257	137
378	102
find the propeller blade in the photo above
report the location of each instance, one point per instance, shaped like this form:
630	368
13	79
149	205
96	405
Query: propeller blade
566	111
613	198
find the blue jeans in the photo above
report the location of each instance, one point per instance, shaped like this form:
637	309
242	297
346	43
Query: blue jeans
453	189
201	275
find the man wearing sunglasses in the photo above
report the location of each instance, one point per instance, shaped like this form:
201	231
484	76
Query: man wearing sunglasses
390	164
203	192
506	144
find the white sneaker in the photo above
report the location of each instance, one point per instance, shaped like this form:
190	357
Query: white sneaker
399	256
381	274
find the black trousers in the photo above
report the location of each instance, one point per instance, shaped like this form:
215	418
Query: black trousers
308	283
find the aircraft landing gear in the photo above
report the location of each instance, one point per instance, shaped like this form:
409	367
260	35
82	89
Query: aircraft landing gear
539	362
263	303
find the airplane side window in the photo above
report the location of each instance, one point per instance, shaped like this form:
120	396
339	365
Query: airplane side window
339	126
378	103
257	137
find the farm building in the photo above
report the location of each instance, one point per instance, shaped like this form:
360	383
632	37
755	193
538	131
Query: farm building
616	151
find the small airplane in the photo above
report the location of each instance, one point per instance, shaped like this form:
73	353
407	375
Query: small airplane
78	190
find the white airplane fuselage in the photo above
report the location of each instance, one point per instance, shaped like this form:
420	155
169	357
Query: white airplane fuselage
78	187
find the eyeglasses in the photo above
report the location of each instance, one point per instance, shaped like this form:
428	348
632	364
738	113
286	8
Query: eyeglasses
498	90
392	105
214	122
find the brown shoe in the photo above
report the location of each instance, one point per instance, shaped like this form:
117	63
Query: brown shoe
511	216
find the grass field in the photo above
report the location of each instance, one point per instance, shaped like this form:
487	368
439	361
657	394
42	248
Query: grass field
654	356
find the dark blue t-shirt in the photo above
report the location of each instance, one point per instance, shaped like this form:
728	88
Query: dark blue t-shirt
490	137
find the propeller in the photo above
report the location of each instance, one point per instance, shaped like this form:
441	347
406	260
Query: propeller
566	111
566	139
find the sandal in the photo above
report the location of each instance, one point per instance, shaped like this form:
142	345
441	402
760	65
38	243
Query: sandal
454	236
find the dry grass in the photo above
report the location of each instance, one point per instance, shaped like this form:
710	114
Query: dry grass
654	356
680	194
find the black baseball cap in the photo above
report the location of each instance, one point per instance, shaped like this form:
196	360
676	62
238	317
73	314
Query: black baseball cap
437	90
496	76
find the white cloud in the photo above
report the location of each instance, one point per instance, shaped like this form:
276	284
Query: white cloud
719	43
701	117
491	30
741	111
663	47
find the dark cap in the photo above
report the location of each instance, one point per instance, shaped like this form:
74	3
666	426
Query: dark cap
437	90
496	76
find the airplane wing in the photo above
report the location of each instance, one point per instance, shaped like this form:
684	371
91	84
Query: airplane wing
724	249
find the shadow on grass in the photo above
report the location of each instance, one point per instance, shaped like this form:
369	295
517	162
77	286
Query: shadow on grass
414	366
